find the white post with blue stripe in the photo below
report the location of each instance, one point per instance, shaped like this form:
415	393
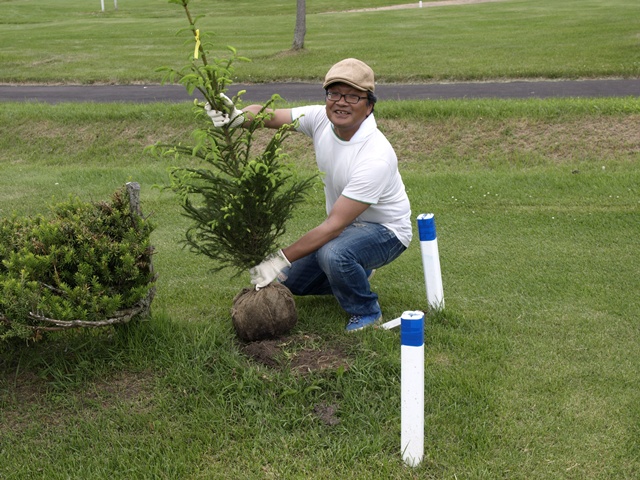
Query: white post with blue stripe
412	387
431	260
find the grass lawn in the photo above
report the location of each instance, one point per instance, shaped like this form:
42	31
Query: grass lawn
72	41
531	371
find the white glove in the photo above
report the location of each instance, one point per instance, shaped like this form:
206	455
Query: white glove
221	119
265	273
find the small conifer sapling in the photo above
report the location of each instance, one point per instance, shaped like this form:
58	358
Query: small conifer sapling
239	202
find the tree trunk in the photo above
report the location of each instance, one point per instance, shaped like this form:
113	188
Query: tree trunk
301	25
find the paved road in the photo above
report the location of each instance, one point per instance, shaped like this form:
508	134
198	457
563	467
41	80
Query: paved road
314	92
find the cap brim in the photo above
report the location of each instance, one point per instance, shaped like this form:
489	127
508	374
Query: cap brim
347	82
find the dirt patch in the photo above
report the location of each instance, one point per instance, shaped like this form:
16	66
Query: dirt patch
327	413
26	387
123	387
27	399
302	354
542	141
436	142
265	352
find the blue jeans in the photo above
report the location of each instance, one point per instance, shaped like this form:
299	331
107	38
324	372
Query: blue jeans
342	266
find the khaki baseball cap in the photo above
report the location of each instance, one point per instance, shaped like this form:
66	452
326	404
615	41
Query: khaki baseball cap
353	72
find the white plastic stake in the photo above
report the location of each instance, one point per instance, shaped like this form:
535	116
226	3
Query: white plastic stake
431	260
412	387
391	324
115	4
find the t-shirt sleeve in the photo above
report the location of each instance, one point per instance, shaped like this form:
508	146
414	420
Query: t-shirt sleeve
309	118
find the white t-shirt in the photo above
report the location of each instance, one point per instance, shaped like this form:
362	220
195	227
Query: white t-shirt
364	169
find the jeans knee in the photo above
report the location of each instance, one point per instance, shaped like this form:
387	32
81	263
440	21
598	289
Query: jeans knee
333	261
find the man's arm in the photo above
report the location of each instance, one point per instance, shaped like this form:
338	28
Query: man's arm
343	213
278	117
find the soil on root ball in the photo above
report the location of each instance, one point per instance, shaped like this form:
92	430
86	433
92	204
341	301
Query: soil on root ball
265	313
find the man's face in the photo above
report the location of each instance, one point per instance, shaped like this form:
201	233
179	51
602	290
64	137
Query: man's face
346	117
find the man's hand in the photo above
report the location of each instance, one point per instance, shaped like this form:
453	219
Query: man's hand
221	119
265	273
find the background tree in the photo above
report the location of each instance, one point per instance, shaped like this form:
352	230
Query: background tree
301	25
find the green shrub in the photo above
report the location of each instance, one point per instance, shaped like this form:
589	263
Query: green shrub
89	264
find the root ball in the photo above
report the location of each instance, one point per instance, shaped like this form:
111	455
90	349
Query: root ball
265	313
